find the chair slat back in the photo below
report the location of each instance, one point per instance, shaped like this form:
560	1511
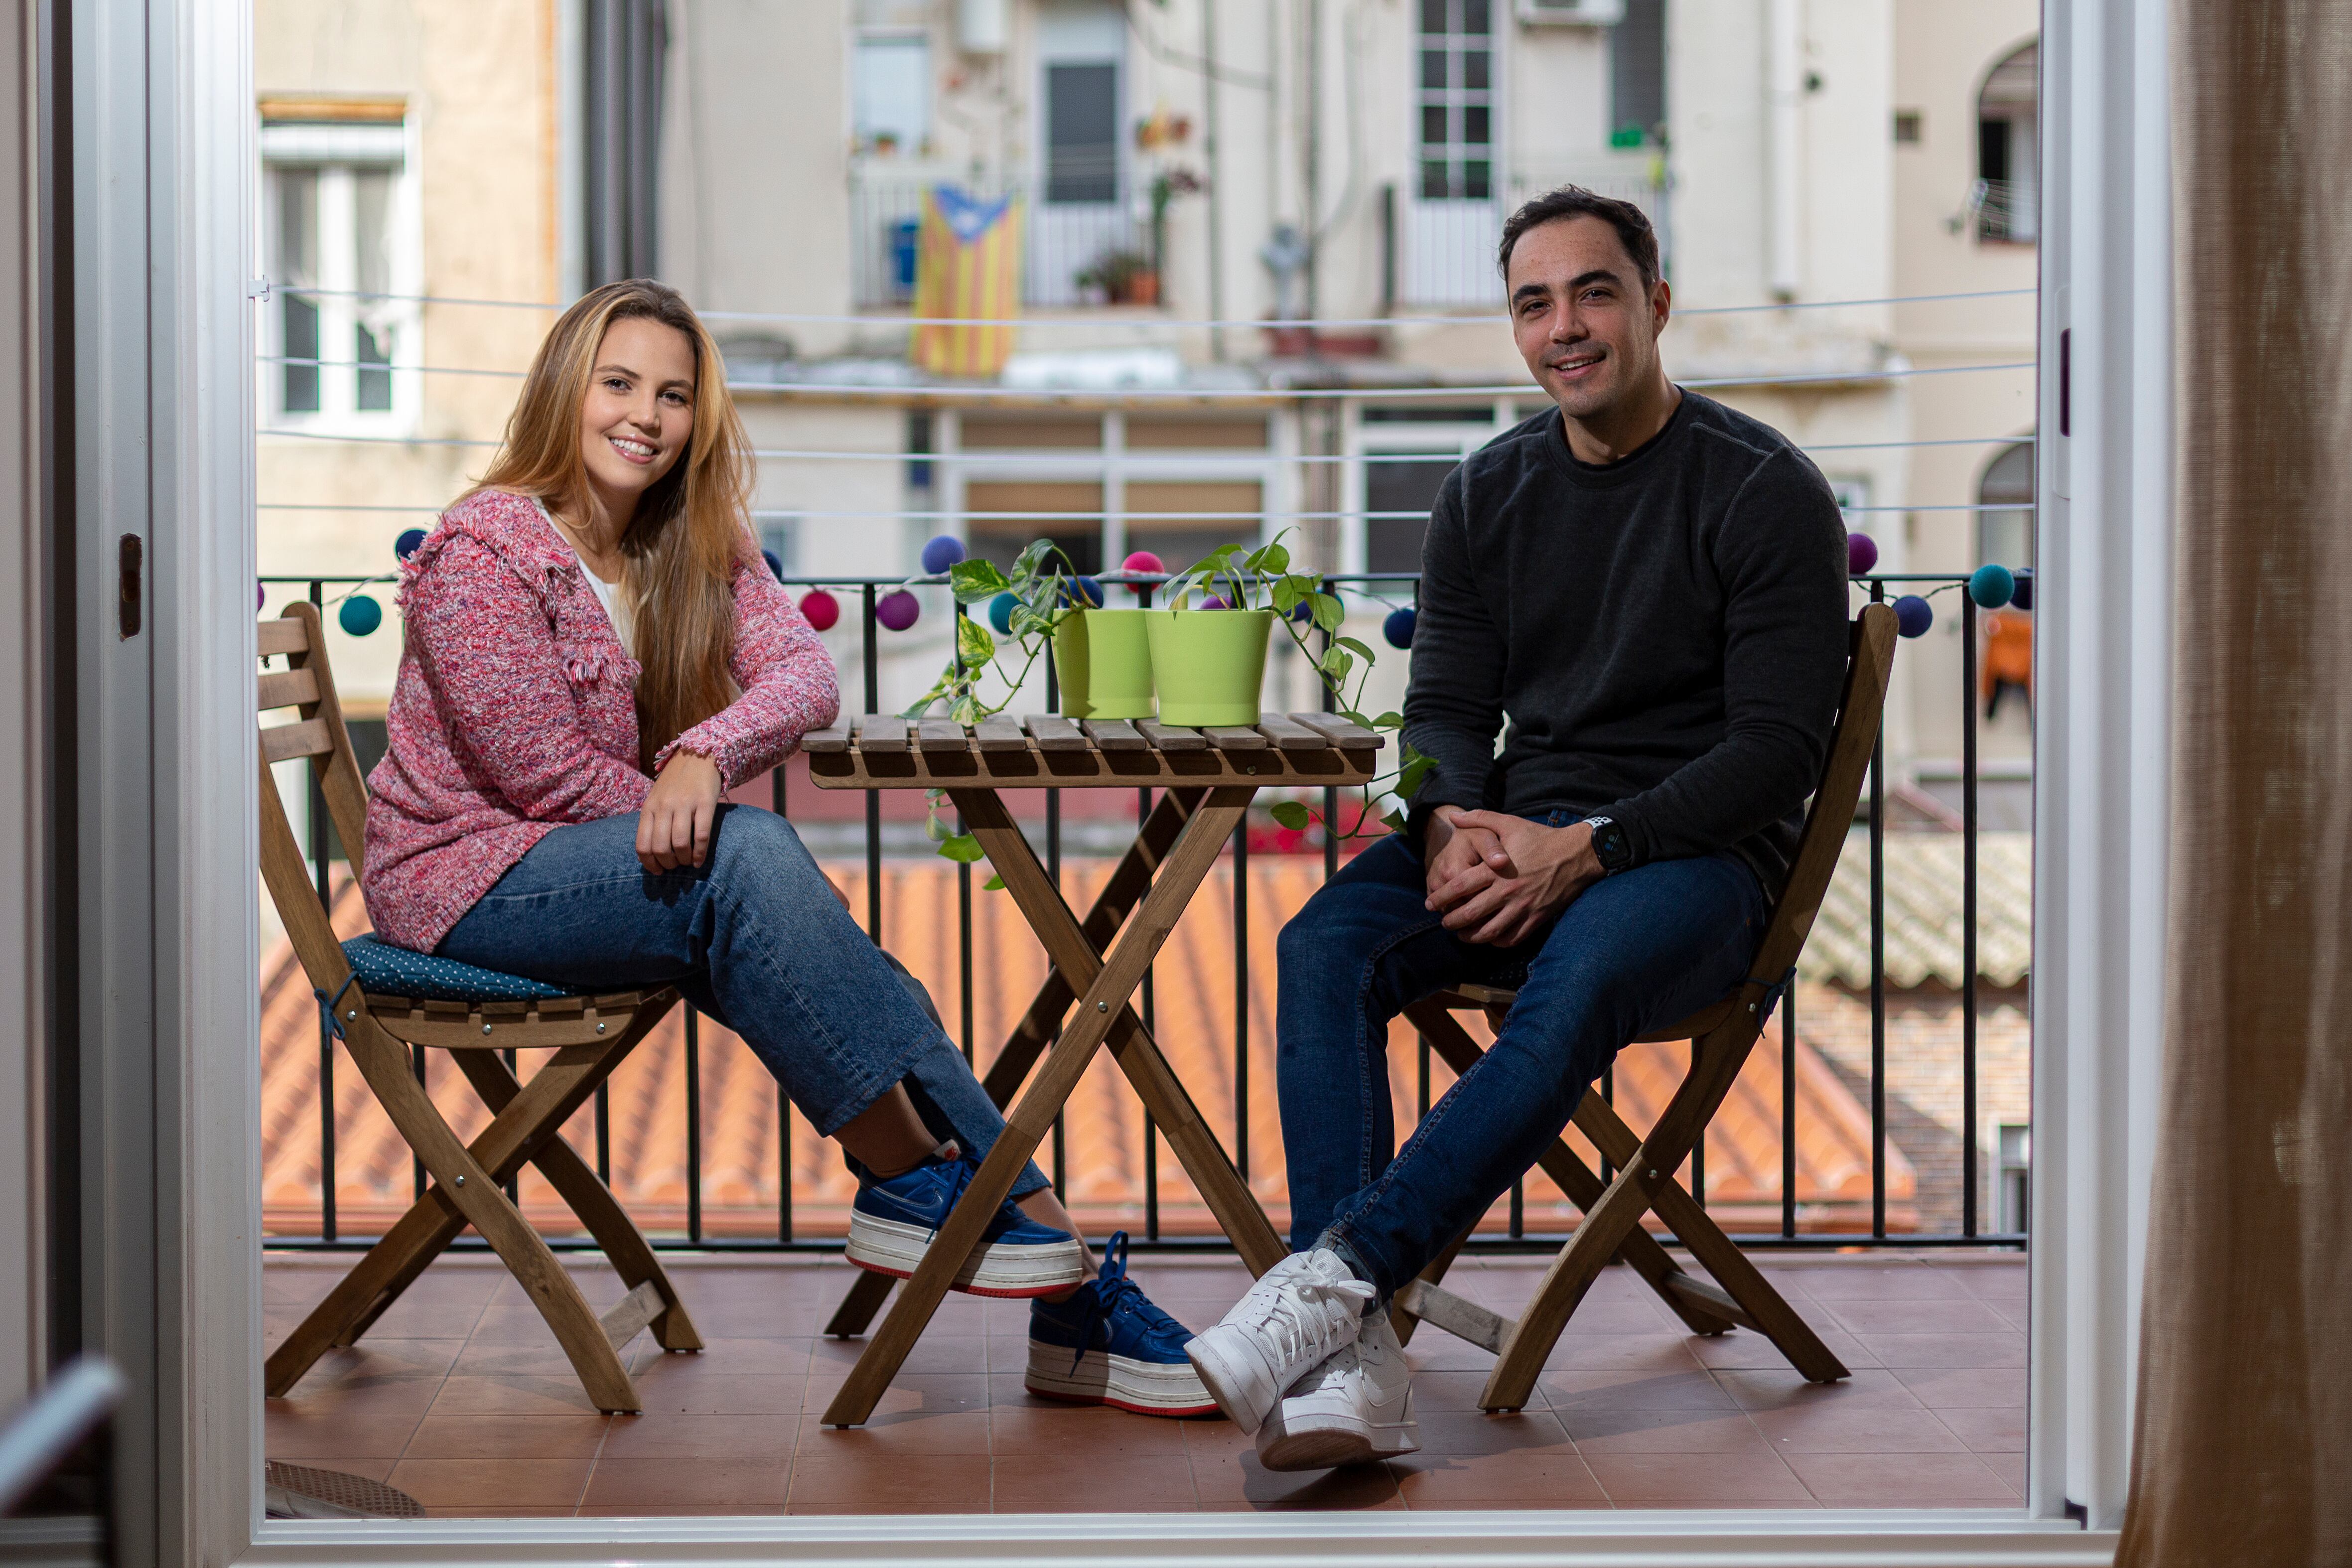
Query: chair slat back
1869	667
308	686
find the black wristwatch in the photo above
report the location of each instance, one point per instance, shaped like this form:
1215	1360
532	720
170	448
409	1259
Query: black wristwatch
1609	845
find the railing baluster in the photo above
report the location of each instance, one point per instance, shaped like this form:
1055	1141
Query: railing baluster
873	797
1789	1115
1241	998
1878	969
963	891
318	825
780	798
693	1127
1968	916
1054	869
1698	1148
1151	1024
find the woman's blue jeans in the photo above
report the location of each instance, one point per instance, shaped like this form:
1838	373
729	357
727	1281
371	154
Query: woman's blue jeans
756	940
1632	954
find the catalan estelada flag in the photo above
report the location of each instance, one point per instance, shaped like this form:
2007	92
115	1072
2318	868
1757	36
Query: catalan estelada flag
968	265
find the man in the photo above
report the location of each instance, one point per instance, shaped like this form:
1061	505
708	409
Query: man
1652	588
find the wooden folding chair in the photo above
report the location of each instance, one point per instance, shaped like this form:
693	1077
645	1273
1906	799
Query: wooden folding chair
589	1035
1721	1036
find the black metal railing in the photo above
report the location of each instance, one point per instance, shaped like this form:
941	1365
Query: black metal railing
1386	589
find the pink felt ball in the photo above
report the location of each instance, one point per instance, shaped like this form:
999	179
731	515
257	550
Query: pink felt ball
821	608
897	611
1142	561
1860	554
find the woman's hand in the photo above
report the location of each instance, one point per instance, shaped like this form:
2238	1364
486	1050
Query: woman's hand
674	824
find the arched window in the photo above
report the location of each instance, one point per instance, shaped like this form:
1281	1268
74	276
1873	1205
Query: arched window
2008	190
2006	535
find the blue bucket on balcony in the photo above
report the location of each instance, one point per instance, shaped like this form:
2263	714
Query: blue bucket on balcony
903	232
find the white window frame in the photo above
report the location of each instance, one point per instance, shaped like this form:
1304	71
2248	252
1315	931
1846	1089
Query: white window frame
1449	244
163	185
1404	438
338	151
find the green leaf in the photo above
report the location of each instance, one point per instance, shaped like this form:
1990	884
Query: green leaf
935	828
963	848
967	710
1268	560
995	884
1329	612
1291	815
1336	664
1395	819
1389	721
1358	650
1410	777
1288	592
976	580
973	645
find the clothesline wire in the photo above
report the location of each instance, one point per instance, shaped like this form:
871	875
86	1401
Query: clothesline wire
1039	516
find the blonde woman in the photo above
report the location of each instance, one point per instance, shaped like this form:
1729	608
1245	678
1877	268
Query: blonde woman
595	653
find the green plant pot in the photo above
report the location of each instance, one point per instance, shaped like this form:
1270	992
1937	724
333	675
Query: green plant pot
1209	665
1118	665
1073	664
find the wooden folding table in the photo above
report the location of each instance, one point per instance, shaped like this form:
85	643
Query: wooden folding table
1208	778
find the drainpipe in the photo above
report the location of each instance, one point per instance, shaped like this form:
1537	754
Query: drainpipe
1216	193
1784	91
1313	202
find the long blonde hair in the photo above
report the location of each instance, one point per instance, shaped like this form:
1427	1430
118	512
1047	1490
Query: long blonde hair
692	526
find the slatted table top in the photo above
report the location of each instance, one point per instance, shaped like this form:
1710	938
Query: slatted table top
883	751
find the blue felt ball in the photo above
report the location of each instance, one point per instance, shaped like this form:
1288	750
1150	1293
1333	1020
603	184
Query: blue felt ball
775	563
1992	586
1913	616
405	545
1083	593
1000	614
1398	628
1861	555
1303	612
359	615
2022	596
941	553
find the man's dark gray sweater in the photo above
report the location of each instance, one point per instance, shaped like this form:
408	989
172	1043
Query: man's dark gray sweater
1667	636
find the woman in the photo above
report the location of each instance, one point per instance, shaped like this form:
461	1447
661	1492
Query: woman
594	654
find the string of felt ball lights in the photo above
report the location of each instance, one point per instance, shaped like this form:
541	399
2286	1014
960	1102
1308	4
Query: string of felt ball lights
1992	586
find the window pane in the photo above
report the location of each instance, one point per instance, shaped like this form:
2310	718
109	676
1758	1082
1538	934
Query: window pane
372	218
1432	15
375	385
1432	70
1082	133
294	255
1474	125
1409	489
1477	180
1637	67
1475	69
890	94
1433	124
1434	186
1474	18
299	341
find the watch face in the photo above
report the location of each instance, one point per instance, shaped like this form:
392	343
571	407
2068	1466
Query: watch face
1609	845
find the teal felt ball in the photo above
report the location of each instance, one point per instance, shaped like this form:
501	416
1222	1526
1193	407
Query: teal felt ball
1000	614
360	615
1992	586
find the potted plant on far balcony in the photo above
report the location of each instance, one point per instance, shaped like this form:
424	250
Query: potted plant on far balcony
1123	277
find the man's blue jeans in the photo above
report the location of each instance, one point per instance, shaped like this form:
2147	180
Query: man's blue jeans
756	940
1632	954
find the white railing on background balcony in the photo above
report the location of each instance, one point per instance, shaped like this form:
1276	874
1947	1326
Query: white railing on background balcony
2005	210
1445	250
1067	246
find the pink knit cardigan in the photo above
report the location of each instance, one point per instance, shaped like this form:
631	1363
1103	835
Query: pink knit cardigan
515	711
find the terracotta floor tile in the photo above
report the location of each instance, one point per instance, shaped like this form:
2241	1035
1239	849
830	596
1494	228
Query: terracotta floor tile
1647	1316
948	1483
2002	1350
363	1397
420	1316
766	1438
1967	1387
1453	1432
1238	1483
1434	1349
1663	1431
1601	1352
1467	1505
1887	1480
484	1359
1081	1433
513	1395
1634	1480
925	1392
767	1358
902	1510
920	1432
1871	1315
1080	1482
1550	1480
675	1385
1777	1388
375	1469
1996	1430
663	1510
1851	1282
480	1484
469	1510
1741	1348
732	1485
1855	1430
1435	1391
1577	1390
499	1437
374	1361
2010	1468
286	1435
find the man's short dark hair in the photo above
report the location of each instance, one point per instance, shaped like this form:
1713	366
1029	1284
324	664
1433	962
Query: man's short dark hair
1631	224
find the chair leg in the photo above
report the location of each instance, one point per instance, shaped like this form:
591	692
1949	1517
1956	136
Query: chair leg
1404	1322
623	1243
855	1313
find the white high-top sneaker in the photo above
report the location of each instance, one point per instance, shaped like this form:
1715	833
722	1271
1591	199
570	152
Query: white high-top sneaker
1306	1308
1354	1409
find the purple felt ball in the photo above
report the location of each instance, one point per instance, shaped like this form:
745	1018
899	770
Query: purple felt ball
1212	603
260	596
821	608
941	553
405	545
1861	555
897	611
1913	616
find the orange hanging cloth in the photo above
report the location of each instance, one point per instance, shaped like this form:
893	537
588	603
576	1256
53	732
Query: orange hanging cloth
968	267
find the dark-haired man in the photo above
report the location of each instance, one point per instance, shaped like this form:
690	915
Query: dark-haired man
1651	589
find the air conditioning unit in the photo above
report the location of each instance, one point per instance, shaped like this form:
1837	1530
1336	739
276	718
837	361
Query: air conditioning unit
1571	12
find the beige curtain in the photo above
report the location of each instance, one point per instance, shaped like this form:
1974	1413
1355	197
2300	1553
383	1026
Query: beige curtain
2243	1453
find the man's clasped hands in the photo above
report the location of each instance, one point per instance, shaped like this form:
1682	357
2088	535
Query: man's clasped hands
1499	877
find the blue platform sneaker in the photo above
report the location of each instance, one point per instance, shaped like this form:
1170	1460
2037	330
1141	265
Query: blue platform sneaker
892	1223
1107	1344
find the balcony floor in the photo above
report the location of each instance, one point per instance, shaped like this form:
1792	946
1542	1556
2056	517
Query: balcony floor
460	1398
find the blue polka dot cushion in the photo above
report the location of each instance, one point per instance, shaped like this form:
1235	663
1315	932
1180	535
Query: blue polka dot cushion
384	970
